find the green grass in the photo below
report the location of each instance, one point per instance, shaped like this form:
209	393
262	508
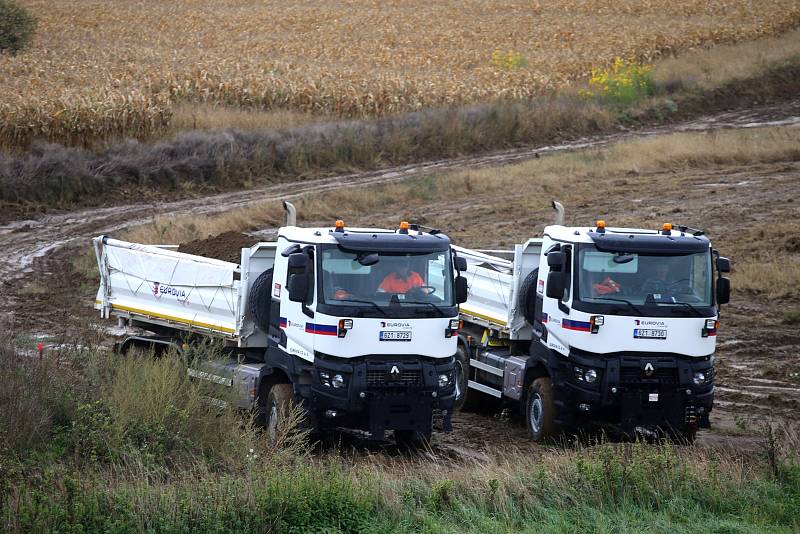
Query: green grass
114	445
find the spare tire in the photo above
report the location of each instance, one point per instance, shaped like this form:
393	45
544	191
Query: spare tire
260	299
527	296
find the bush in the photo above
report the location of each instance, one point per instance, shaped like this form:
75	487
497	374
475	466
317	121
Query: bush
623	83
16	26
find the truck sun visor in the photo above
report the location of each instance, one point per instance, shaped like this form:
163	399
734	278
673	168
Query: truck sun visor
649	243
391	242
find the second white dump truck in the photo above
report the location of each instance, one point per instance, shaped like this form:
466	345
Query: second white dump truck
359	326
592	326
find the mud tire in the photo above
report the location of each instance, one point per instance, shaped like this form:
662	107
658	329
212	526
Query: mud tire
280	401
527	296
540	411
260	299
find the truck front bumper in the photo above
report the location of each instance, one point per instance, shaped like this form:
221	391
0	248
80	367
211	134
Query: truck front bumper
634	390
383	393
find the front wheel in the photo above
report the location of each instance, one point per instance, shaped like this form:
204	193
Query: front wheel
280	403
540	410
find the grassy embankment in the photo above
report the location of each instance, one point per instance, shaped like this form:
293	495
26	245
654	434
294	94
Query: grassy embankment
94	443
205	160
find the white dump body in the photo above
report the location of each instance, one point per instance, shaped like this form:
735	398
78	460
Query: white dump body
494	285
155	285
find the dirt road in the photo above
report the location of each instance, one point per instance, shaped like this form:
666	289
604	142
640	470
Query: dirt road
759	352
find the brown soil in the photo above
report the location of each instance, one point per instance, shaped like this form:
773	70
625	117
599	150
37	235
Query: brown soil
226	246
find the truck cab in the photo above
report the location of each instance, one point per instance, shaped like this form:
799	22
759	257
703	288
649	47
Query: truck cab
608	326
363	324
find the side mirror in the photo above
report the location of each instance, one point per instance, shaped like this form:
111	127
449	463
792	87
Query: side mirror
555	285
461	289
298	260
298	287
723	264
555	260
723	290
460	264
291	249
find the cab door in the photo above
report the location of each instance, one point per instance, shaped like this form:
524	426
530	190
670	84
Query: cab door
298	301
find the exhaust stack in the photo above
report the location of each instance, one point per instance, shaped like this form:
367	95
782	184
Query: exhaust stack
291	213
559	212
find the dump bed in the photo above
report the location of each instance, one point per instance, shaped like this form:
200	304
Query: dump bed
158	287
494	284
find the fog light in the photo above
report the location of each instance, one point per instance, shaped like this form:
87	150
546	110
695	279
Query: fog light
362	395
591	376
584	407
579	372
338	381
330	414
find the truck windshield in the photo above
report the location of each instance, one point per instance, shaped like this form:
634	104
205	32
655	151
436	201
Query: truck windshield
397	281
644	280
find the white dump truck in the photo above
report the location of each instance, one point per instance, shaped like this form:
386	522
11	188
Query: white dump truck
591	326
359	326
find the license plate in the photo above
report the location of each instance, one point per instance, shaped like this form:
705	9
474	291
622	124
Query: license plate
388	335
649	333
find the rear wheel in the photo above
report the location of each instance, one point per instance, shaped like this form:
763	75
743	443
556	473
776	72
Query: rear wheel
540	410
280	402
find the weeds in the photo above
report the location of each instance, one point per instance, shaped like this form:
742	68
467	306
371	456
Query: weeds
622	84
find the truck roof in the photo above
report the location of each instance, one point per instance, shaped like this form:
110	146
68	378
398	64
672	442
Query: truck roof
681	241
368	239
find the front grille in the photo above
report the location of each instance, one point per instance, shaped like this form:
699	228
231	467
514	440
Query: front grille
660	375
379	378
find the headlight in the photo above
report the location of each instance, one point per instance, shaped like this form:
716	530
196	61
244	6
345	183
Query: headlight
444	380
585	375
699	378
325	378
337	381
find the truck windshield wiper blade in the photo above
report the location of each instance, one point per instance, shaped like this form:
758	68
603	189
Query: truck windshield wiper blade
366	302
435	307
693	308
629	303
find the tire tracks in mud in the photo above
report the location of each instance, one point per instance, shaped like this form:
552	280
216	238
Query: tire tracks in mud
24	241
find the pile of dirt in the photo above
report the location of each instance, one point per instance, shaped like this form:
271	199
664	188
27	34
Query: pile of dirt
226	246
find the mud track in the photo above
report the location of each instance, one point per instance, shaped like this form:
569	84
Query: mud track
758	357
25	240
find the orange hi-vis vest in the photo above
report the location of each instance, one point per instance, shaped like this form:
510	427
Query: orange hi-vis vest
394	284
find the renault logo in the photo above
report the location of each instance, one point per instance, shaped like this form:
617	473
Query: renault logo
648	369
395	371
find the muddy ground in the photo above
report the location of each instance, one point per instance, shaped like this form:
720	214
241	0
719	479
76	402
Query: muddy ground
748	212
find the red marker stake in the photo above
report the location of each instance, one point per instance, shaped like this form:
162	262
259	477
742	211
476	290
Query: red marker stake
40	348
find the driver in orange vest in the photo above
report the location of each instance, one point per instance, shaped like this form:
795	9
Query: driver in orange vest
401	280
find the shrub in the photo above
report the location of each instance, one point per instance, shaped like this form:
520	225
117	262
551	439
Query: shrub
16	26
623	83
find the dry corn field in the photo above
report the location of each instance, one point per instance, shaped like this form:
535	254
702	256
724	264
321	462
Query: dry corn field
100	70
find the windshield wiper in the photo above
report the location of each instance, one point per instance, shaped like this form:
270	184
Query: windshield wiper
366	302
693	308
435	307
629	303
